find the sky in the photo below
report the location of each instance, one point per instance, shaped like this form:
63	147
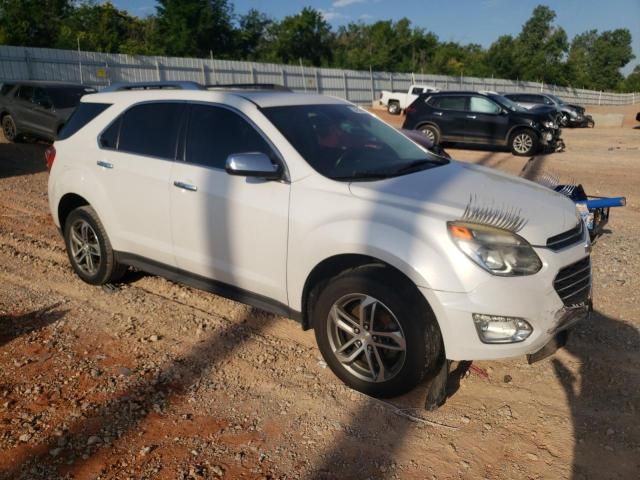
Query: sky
464	21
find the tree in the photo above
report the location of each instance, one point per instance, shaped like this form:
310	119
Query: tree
194	27
33	23
501	58
252	34
632	82
306	36
100	28
540	48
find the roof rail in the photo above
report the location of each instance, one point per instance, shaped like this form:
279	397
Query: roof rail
177	85
248	86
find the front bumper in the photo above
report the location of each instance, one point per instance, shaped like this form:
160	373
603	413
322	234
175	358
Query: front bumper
551	140
532	298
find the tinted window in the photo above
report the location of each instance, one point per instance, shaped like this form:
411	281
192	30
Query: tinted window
25	93
483	105
80	117
450	103
215	133
151	129
514	97
417	91
109	138
67	97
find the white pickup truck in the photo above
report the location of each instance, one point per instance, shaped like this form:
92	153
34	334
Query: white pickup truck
396	101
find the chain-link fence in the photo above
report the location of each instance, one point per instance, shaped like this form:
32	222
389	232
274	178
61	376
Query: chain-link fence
101	69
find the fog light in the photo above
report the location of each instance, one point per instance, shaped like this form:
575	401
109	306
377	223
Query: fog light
498	329
549	137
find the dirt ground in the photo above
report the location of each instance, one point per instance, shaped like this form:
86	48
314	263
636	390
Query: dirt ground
157	380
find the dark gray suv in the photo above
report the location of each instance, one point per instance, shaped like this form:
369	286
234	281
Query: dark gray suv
38	109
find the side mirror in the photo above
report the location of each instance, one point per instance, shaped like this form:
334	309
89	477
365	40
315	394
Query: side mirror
253	164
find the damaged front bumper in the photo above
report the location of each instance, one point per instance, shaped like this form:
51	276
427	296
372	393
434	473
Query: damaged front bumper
551	140
567	318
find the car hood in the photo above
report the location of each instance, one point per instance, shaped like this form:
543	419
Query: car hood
540	112
445	192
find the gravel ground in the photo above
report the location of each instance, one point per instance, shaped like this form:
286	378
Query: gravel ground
157	380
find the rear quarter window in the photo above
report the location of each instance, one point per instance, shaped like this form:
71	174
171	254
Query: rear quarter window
80	117
457	102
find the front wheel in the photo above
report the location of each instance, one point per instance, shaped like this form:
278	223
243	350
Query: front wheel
524	143
89	248
431	133
378	336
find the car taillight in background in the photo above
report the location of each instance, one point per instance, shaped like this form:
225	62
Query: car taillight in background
410	109
50	156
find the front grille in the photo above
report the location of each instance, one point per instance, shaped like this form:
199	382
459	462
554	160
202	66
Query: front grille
573	282
565	239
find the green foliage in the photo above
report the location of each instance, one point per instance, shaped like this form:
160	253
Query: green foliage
34	23
541	51
305	36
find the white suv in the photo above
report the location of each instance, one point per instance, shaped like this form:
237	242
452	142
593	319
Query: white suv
312	208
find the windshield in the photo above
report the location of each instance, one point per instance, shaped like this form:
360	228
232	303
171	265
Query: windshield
555	99
345	142
508	103
67	97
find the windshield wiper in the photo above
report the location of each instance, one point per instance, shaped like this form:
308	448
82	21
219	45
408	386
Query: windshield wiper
363	176
419	164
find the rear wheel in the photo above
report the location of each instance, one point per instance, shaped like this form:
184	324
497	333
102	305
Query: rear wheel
9	128
89	248
431	133
524	143
375	334
393	108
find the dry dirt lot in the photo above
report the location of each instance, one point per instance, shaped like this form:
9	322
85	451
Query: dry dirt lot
157	380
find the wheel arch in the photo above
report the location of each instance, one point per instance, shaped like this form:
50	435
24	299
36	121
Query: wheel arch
336	264
513	130
68	203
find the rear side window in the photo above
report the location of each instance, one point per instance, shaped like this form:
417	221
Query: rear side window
215	133
483	105
151	129
80	117
450	102
417	91
25	93
6	88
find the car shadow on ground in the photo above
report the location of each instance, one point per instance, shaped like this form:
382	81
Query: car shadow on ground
604	398
21	159
13	326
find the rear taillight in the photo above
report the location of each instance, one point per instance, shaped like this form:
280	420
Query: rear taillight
410	109
50	156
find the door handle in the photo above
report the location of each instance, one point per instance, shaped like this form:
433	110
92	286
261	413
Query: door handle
104	164
438	113
185	186
471	116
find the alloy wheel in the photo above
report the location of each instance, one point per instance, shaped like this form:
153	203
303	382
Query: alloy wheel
366	338
9	128
85	247
427	132
522	143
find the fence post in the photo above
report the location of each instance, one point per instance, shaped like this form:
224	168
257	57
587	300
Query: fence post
391	78
107	72
317	82
204	75
253	75
373	94
158	69
344	80
600	98
304	80
27	60
284	77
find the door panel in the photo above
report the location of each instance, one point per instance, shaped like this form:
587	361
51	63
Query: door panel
485	122
449	113
228	228
135	163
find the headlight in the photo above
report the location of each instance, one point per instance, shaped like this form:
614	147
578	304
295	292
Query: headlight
550	124
498	251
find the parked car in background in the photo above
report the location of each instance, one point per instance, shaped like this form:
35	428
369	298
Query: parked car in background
570	115
397	101
313	208
38	109
483	118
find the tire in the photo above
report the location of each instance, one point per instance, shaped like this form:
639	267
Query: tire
408	342
524	142
10	129
393	108
430	132
84	233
